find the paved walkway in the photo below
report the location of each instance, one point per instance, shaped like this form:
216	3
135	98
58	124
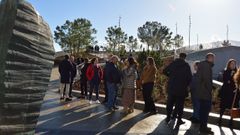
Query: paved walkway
80	118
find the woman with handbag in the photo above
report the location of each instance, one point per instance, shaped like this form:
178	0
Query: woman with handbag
227	91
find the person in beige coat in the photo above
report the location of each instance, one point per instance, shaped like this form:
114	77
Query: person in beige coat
148	78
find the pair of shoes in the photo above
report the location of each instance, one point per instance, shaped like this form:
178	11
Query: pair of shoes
230	124
115	107
98	102
206	130
124	112
145	111
68	99
90	102
219	122
71	96
61	98
191	118
194	120
180	122
103	102
167	120
153	113
130	110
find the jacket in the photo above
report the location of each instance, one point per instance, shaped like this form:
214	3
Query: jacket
65	69
180	76
73	71
90	72
112	74
204	81
148	74
227	91
84	72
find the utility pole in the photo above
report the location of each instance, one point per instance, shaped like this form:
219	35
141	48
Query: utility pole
176	28
190	23
197	39
119	22
227	32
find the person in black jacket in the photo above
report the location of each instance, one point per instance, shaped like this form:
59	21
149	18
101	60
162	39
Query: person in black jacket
65	69
104	79
180	75
227	91
83	79
73	74
113	78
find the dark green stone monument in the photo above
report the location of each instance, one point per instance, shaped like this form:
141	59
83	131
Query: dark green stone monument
26	59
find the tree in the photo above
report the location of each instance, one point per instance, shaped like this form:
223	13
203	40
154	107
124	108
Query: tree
75	36
200	47
155	35
96	48
132	43
116	37
178	41
226	43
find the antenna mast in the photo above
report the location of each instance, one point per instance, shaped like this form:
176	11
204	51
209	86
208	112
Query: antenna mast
190	23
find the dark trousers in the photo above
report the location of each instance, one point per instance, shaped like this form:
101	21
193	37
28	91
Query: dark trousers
84	91
70	89
178	101
147	96
196	108
106	91
205	108
94	86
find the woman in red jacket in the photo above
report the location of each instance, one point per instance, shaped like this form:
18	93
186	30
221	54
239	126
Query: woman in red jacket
94	76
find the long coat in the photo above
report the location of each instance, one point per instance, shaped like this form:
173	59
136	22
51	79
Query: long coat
204	81
180	76
65	69
227	90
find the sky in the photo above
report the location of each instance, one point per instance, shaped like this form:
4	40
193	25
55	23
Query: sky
209	18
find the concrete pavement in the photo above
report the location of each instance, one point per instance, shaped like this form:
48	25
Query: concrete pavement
80	118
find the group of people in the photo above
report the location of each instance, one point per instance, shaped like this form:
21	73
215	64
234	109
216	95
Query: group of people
200	84
180	80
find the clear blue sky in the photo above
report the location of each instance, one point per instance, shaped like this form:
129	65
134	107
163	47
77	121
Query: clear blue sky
209	17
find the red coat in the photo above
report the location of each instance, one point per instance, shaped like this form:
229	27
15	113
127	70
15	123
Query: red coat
90	72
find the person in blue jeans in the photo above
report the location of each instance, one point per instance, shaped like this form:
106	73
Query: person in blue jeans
196	106
112	78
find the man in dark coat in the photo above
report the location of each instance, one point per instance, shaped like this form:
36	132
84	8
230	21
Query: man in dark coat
104	79
73	74
204	90
180	75
113	78
83	79
65	69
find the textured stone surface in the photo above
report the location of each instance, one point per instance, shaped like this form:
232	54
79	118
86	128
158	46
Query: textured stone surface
26	58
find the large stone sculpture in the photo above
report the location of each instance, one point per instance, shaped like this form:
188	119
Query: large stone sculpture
26	59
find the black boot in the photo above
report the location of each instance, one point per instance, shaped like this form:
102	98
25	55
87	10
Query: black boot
205	130
231	124
220	122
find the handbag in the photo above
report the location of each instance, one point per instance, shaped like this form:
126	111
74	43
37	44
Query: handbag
235	112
